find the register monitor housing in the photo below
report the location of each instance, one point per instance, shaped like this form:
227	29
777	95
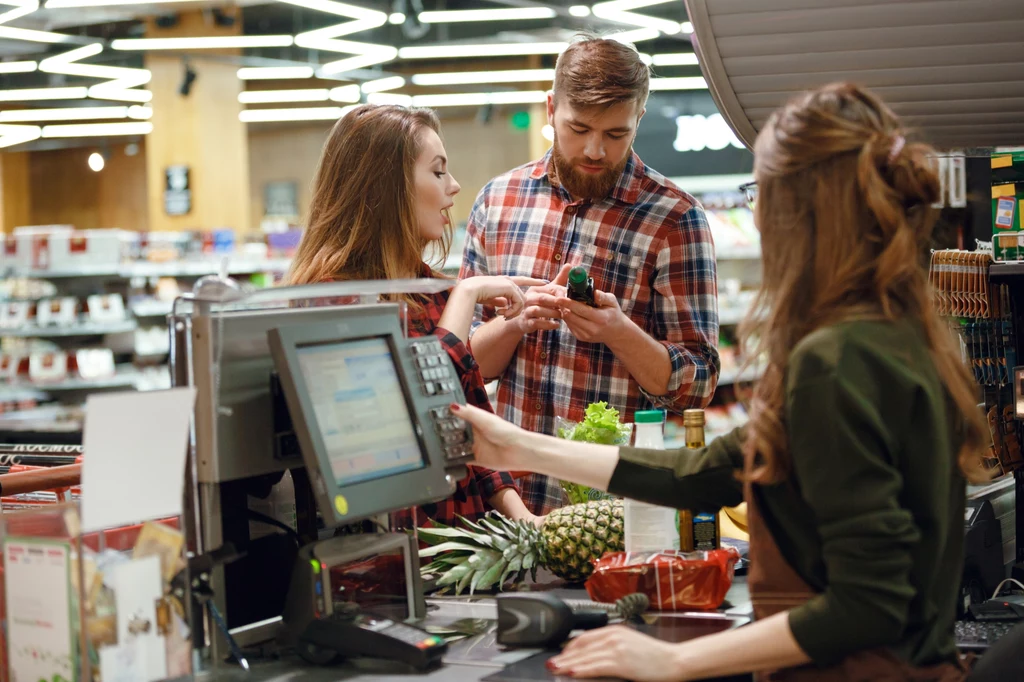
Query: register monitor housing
371	414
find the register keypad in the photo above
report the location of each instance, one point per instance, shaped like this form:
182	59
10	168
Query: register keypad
455	436
435	376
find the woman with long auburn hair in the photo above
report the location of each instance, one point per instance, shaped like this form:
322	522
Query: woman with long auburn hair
381	197
863	430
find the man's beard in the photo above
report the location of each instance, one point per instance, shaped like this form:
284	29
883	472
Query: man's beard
585	185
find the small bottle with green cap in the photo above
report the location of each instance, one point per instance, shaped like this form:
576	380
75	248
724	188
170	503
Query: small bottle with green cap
580	287
649	527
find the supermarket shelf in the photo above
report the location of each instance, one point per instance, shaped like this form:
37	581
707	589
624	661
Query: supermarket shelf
739	253
733	376
125	378
12	394
173	269
152	308
1006	270
91	329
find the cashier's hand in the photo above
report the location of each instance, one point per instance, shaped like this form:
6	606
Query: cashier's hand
593	325
618	651
497	444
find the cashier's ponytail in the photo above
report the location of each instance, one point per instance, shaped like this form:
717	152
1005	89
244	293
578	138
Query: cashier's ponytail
845	213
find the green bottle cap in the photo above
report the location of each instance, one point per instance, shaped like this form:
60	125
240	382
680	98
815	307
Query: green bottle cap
649	417
577	275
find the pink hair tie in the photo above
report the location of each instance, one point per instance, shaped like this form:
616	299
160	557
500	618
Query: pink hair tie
897	146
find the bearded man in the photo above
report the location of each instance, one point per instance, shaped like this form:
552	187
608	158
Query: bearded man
651	341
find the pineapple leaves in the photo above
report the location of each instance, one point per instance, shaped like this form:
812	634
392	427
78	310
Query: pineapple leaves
444	547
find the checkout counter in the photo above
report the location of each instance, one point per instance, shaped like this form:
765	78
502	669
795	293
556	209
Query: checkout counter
357	413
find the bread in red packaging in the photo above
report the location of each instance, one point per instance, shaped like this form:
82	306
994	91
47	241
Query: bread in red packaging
672	580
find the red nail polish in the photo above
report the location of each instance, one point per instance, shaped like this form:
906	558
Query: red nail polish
550	665
455	407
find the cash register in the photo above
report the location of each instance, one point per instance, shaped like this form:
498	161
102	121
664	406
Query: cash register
339	400
372	417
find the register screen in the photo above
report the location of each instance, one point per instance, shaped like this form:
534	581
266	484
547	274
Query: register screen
360	409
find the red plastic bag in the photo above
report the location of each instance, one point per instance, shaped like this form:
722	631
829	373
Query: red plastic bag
672	580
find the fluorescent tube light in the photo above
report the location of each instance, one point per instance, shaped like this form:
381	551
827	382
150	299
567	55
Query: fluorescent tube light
382	84
296	114
61	4
579	11
675	59
340	8
12	135
485	50
26	94
18	67
684	83
27	7
137	112
12	33
359	61
396	18
63	114
201	43
464	15
276	96
345	93
389	98
475	77
97	129
464	99
270	72
636	35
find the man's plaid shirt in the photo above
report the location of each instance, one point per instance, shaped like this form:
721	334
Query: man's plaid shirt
648	244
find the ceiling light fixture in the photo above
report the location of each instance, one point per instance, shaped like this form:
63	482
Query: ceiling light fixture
63	4
389	98
96	162
579	11
17	67
278	96
122	79
635	35
20	9
201	42
619	11
465	99
25	94
345	93
270	72
675	59
684	83
62	114
380	54
12	135
138	112
12	33
97	129
465	15
382	84
295	114
485	50
686	27
475	77
364	54
396	18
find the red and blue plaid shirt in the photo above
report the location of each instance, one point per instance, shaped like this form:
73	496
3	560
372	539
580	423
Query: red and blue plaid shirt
648	244
472	492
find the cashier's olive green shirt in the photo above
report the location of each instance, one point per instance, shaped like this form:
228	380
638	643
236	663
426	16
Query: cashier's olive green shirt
872	516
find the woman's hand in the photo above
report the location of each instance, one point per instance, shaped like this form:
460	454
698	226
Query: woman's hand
504	293
497	444
618	651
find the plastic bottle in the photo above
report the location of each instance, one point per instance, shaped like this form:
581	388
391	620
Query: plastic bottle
580	287
648	527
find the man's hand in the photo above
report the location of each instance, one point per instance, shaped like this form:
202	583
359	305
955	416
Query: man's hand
541	310
594	325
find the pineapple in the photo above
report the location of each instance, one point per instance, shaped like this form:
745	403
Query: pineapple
488	552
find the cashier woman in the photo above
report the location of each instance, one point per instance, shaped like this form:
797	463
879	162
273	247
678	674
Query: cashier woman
863	429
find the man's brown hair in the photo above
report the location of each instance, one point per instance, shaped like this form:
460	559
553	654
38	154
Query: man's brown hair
600	72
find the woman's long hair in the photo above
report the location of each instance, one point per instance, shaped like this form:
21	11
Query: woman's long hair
362	220
844	211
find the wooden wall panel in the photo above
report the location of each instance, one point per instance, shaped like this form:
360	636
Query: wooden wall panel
477	153
65	191
15	190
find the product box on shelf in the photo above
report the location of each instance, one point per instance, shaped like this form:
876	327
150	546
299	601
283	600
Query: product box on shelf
48	367
57	311
15	314
105	308
95	363
1007	205
29	247
62	248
